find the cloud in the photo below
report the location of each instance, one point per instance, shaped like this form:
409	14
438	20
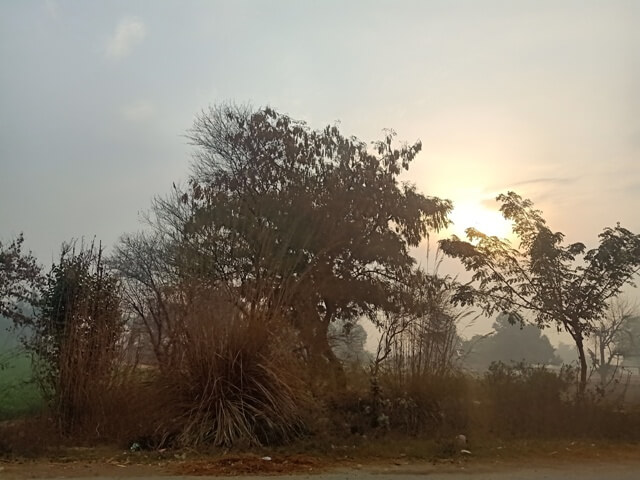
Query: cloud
137	111
542	186
129	32
549	180
540	182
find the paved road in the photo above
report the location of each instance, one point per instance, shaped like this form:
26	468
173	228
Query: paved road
619	471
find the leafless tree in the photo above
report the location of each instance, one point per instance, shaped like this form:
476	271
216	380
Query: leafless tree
607	330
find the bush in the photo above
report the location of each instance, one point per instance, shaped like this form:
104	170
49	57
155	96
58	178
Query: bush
420	405
527	400
233	382
434	405
75	339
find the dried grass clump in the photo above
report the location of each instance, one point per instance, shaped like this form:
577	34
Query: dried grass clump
233	383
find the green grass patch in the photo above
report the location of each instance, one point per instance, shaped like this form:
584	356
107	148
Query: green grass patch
18	393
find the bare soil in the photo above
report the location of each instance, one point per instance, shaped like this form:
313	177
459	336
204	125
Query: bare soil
610	460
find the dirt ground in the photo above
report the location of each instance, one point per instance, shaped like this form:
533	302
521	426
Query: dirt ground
557	471
618	463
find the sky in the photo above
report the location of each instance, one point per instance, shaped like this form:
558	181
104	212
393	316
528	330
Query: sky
540	97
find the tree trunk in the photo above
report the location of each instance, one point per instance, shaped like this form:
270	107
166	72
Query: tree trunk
604	365
323	363
322	351
583	364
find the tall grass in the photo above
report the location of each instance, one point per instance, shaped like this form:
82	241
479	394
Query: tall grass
75	340
233	383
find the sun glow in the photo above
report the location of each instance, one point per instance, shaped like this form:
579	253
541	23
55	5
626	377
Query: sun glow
490	222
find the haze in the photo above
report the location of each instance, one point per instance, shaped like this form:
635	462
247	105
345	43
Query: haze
538	97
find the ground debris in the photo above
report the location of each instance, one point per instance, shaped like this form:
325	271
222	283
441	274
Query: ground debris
234	465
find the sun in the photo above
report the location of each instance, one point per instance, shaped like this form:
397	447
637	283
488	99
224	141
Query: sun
469	214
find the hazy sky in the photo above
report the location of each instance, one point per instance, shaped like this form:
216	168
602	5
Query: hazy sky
540	97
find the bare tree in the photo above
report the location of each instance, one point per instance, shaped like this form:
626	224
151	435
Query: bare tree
604	354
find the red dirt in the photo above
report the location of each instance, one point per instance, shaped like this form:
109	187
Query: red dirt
236	465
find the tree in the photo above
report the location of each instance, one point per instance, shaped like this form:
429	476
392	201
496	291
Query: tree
310	224
557	284
422	339
627	341
509	343
19	279
152	291
607	330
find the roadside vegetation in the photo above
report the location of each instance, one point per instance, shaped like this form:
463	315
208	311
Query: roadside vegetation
234	318
18	394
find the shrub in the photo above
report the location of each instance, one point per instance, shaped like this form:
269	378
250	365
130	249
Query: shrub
434	405
75	339
233	382
527	400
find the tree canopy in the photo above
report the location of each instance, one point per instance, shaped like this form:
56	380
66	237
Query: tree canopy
309	222
554	284
509	343
627	340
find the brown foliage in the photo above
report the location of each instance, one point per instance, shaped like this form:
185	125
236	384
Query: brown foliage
232	380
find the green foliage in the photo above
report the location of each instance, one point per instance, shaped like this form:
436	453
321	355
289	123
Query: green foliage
556	284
